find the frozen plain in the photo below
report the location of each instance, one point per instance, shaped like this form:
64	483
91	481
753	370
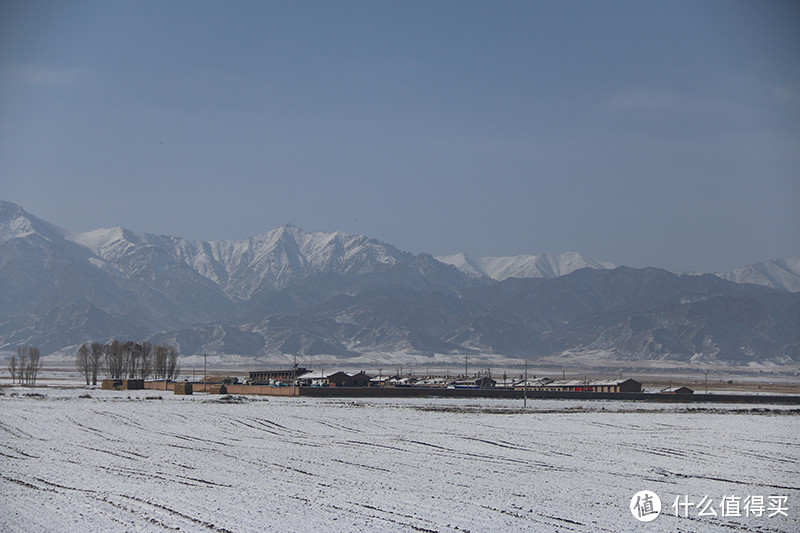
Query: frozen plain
128	461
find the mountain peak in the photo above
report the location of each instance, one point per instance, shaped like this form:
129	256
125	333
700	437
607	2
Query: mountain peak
287	229
8	207
291	228
99	241
17	223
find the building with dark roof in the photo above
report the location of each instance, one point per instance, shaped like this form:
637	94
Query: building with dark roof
267	377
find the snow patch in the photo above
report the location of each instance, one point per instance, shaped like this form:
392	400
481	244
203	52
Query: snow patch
783	274
522	266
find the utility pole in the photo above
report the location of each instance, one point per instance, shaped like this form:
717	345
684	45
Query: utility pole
466	366
205	373
525	387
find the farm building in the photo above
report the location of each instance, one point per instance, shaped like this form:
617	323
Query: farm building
532	384
380	381
475	383
319	379
677	390
122	384
589	385
508	382
335	379
267	377
359	379
403	381
432	382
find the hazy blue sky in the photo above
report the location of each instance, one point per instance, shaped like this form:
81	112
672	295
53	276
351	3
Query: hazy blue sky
641	133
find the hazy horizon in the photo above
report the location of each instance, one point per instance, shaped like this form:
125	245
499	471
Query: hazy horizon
656	134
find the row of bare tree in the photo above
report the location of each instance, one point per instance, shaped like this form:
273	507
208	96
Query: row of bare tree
25	365
127	360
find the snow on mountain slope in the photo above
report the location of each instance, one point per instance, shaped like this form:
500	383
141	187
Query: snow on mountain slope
268	261
112	245
16	223
288	253
781	274
51	288
522	266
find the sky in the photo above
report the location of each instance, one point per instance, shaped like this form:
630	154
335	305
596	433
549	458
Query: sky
641	133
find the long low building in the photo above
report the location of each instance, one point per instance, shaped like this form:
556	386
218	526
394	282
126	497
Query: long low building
334	379
590	385
474	383
266	377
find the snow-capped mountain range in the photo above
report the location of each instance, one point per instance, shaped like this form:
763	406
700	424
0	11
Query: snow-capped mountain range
240	268
782	274
291	291
522	266
777	273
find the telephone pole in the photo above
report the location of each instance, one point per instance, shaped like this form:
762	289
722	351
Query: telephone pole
525	387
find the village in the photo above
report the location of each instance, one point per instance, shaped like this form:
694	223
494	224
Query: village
300	381
303	377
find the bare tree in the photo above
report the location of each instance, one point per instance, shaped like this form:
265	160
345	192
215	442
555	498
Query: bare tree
12	368
29	364
160	361
136	361
114	359
95	360
147	360
34	364
22	355
130	357
83	363
165	362
125	353
173	368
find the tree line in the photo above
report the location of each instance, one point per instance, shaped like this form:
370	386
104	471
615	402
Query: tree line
131	360
25	365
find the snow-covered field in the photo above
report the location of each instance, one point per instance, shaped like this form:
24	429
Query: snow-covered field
152	461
